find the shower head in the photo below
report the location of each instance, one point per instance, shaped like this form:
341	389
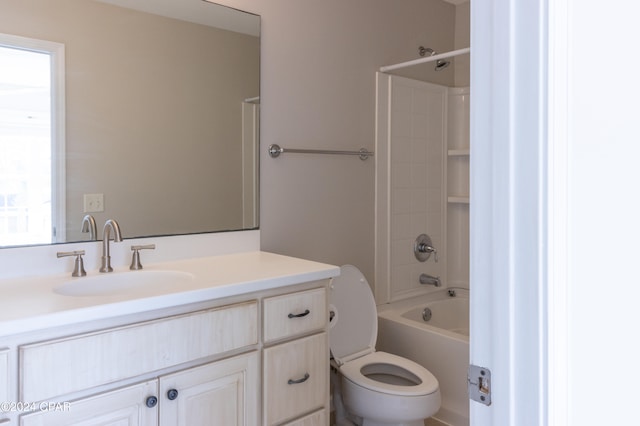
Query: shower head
441	64
426	51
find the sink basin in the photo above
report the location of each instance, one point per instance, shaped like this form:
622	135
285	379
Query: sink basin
115	283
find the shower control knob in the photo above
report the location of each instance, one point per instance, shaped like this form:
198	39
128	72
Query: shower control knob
423	247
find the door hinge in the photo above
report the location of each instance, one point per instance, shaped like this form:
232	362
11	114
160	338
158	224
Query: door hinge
479	383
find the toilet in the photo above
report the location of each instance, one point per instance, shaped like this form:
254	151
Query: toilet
377	388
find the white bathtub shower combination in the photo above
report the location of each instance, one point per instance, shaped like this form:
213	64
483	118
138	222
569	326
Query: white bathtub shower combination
440	344
422	187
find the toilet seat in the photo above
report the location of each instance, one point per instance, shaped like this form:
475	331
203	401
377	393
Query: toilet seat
378	387
352	338
393	365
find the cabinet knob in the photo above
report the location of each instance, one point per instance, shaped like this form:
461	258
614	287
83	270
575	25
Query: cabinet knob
151	401
172	394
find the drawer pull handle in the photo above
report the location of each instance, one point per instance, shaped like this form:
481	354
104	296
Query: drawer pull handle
304	314
302	380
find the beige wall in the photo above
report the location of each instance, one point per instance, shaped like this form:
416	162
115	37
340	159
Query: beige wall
318	91
319	59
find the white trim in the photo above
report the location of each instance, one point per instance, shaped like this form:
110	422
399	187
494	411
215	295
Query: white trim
250	150
58	156
508	220
489	162
382	211
58	135
558	196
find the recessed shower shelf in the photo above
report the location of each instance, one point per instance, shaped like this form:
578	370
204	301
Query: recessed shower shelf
458	199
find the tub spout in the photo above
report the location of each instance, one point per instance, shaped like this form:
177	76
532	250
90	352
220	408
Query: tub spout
430	280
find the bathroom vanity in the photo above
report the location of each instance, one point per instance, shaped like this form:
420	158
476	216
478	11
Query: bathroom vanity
241	340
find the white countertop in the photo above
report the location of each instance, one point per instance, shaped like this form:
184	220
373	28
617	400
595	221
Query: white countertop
30	303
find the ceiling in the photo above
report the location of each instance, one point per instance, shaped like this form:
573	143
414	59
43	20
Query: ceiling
199	12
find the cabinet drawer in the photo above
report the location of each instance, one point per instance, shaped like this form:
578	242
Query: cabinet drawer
80	362
296	376
319	418
294	314
4	375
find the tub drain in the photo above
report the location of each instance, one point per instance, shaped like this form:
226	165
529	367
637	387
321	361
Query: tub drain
426	314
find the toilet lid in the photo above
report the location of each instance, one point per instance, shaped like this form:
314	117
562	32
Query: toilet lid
353	328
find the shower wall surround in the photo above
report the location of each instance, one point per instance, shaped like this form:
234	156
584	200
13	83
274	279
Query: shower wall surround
422	157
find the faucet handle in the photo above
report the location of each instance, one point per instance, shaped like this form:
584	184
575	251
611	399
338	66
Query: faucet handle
135	260
423	247
78	267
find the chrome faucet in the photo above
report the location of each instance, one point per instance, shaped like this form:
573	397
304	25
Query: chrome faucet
109	225
89	225
430	280
423	247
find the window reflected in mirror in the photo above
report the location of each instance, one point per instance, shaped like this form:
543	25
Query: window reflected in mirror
27	141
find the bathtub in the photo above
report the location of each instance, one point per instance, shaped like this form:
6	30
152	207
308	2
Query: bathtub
440	344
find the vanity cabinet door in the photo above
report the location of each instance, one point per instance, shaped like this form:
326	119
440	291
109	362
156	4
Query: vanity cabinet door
122	407
221	393
296	377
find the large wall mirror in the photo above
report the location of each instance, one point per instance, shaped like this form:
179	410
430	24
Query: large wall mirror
152	118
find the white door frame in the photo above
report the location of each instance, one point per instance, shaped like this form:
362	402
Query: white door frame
518	210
